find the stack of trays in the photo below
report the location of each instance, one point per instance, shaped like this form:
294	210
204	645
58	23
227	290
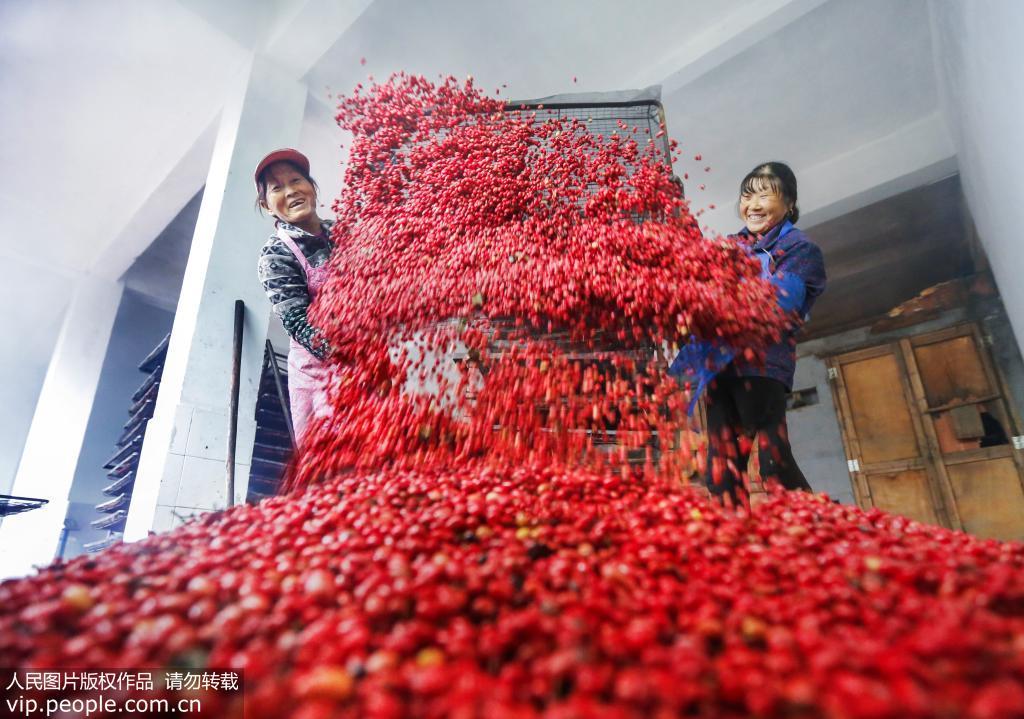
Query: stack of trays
273	448
123	463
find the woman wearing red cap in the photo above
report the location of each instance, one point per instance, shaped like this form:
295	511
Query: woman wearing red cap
292	268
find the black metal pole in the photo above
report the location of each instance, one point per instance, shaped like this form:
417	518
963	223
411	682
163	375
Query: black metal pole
236	372
63	544
272	357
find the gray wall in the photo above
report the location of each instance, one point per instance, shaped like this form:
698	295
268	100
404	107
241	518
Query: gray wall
814	434
138	327
976	46
19	392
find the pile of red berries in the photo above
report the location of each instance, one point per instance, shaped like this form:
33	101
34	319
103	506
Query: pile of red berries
536	591
518	540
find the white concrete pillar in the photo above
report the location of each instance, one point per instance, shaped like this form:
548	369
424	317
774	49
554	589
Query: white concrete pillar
182	466
50	455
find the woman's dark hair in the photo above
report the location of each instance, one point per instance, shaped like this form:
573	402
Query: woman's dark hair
775	176
261	182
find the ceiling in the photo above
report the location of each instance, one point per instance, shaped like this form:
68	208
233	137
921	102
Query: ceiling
110	109
883	254
96	127
834	80
535	47
157	273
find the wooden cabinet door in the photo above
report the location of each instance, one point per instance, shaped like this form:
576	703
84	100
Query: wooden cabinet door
970	427
929	433
886	448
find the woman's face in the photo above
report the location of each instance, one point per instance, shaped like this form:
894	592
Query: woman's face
762	208
290	196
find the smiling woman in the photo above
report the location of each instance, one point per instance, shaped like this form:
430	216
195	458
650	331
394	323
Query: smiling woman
747	400
292	266
286	190
767	197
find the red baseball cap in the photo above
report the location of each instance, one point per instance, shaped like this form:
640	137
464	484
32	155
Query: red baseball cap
285	154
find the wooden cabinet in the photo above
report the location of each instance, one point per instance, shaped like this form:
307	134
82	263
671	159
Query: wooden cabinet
928	432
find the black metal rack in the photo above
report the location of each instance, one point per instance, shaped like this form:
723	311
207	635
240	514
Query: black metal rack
124	461
273	446
10	504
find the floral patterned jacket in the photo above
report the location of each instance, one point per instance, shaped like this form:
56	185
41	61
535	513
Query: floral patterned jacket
285	282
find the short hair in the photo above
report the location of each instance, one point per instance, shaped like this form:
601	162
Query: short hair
775	175
261	181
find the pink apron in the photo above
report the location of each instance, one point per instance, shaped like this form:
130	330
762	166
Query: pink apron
307	375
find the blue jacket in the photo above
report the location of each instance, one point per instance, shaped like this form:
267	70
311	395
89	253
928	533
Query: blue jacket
795	265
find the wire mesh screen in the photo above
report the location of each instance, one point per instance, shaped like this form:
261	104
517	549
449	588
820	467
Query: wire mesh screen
630	114
643	120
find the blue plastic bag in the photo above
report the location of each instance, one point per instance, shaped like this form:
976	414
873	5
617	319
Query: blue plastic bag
699	362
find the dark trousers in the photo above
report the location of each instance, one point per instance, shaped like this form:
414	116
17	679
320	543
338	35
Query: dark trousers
738	408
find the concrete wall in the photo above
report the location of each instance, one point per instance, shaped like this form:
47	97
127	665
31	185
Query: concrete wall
138	328
814	434
20	391
29	339
978	56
